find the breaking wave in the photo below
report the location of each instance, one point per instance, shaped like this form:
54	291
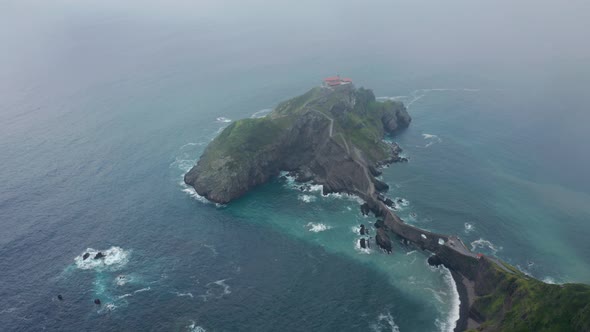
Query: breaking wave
114	258
223	119
484	244
454	314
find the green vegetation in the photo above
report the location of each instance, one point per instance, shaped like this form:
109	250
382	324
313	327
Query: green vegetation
357	121
516	302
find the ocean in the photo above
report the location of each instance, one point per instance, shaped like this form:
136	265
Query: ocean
102	112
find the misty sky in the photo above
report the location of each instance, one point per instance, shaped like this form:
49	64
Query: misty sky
431	32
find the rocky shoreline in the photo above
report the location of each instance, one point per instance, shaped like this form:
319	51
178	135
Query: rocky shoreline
334	137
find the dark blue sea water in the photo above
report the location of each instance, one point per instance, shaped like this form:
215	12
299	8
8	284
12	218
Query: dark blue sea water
103	111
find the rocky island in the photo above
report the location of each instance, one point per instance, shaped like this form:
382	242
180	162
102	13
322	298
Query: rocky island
333	135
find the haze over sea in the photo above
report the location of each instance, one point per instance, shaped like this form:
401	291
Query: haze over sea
104	106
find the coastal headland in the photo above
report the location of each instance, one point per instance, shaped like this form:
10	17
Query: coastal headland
333	135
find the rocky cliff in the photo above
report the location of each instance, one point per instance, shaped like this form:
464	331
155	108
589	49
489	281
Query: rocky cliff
331	136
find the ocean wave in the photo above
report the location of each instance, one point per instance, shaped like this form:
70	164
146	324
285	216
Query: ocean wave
306	198
261	114
483	244
469	228
316	228
385	322
449	324
188	294
223	119
193	193
114	259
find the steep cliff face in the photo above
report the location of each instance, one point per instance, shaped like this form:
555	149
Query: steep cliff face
329	134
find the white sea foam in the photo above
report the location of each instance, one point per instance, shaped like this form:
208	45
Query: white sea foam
122	279
193	193
261	113
223	119
142	290
125	295
317	227
188	294
115	258
193	327
357	247
385	322
306	198
454	301
431	139
216	289
469	228
483	244
549	280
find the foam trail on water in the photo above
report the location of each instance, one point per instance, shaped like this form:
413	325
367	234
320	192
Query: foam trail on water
385	322
317	227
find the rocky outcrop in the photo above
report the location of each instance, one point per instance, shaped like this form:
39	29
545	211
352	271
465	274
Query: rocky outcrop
383	240
315	135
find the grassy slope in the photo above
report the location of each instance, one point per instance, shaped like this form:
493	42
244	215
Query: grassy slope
361	126
521	303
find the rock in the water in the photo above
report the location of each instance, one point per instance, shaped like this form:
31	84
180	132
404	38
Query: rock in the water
362	229
383	240
86	255
99	255
59	297
97	301
434	260
388	202
380	185
365	209
363	243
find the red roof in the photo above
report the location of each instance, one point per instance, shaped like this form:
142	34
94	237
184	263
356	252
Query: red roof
347	80
331	79
479	255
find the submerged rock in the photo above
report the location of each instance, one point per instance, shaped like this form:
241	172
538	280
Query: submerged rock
99	255
86	255
97	301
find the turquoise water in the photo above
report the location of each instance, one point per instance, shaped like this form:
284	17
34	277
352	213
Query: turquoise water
102	113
